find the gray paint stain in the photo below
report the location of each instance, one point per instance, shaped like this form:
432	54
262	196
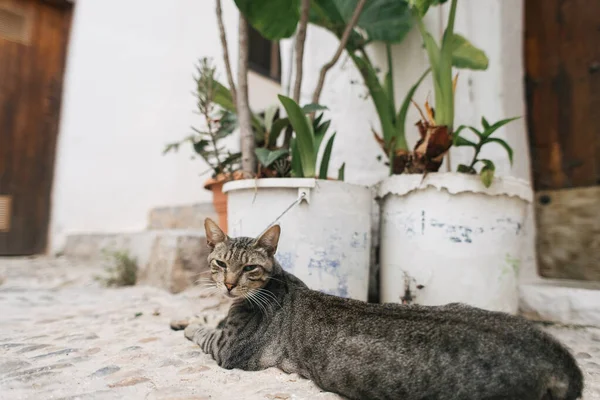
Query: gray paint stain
286	260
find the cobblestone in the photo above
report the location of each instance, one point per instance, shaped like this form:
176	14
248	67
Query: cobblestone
63	336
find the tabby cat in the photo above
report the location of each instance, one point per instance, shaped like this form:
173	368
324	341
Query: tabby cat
373	351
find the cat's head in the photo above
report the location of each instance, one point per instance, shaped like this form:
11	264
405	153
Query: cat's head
240	266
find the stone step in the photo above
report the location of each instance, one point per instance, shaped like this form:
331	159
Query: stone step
565	302
169	259
181	217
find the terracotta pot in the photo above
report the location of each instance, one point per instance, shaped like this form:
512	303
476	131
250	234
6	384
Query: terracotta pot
219	202
215	185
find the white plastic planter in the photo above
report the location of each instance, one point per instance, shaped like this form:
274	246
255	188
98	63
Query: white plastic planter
325	239
448	238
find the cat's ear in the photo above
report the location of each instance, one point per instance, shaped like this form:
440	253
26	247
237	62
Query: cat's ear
214	234
269	239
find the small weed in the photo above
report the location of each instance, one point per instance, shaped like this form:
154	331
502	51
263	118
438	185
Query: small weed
122	271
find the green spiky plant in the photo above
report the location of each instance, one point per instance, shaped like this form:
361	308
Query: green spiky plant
220	121
484	137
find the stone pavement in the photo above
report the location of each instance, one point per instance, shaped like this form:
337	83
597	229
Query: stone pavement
63	336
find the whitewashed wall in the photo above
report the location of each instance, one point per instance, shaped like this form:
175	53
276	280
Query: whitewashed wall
127	93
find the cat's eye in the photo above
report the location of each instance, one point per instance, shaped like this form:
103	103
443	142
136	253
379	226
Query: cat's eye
249	268
221	264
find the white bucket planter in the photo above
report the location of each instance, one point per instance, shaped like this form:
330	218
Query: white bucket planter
451	239
325	240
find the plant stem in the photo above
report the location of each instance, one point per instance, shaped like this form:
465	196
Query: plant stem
343	41
225	52
300	39
243	108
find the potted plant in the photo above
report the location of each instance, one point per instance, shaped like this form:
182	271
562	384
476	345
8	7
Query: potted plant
328	221
329	225
450	237
212	100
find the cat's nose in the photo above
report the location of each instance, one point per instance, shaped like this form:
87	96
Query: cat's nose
230	286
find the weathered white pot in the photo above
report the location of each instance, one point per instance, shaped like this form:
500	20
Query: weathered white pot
448	238
325	239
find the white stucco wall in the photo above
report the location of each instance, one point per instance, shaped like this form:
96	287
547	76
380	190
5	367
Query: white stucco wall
127	93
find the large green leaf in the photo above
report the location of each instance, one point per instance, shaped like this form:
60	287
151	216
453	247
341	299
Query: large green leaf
381	20
467	56
305	137
421	6
274	19
379	95
326	157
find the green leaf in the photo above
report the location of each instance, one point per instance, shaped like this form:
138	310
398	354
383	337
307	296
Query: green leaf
296	160
223	97
487	173
278	126
326	157
485	123
502	143
498	125
200	145
320	132
269	115
312	107
403	112
380	99
461	141
475	131
389	78
421	6
341	172
467	56
274	19
304	135
465	169
267	157
380	20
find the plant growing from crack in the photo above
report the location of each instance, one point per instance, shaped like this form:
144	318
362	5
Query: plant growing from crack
122	270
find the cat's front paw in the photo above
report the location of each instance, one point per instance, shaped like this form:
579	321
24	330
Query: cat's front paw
191	330
213	320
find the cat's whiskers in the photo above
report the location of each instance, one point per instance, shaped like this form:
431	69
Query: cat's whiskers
261	298
207	289
270	295
249	295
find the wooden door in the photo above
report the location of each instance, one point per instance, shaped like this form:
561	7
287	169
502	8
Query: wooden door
33	42
562	52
